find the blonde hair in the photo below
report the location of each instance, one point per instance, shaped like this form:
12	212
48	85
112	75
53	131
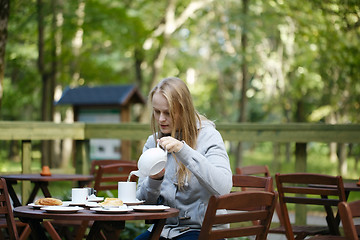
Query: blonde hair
183	116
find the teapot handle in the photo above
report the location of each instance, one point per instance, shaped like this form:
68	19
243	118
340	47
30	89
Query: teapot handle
158	146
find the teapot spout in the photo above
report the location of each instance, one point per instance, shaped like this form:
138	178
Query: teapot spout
136	173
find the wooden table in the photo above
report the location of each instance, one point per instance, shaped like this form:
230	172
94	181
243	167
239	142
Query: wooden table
42	182
108	221
349	186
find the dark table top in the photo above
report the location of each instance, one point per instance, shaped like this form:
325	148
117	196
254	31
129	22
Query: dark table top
86	214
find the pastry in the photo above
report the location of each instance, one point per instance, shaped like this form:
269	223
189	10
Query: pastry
111	202
48	202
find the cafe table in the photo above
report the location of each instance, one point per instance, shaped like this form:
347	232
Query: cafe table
42	182
350	185
102	221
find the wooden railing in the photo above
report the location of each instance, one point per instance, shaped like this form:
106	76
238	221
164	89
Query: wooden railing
251	132
248	132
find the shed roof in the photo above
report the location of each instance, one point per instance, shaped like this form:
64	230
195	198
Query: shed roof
101	95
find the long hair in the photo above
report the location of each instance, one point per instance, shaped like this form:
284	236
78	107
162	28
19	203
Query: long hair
183	115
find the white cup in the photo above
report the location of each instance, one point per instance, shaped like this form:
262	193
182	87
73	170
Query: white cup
79	195
127	191
151	162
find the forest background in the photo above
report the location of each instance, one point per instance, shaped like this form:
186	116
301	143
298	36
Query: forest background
268	61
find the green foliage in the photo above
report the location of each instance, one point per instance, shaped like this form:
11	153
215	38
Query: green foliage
296	51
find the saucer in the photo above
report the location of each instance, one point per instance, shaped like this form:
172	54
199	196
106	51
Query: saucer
132	203
70	203
150	208
95	199
111	210
61	209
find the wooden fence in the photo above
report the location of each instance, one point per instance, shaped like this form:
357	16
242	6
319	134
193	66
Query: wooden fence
249	132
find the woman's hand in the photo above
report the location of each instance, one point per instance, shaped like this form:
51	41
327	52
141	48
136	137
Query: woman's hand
171	144
159	175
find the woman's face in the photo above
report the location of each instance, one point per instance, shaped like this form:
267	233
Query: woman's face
162	113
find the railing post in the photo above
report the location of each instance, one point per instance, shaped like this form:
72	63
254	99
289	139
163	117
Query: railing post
300	166
82	156
25	169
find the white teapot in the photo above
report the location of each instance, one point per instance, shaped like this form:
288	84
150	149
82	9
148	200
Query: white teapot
151	162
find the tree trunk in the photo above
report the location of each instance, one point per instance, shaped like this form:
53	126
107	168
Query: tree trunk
55	44
244	81
4	17
45	145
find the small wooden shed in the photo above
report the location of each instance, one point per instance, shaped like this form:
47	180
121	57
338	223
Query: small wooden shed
104	104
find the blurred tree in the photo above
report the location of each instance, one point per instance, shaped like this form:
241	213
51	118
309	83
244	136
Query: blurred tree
4	16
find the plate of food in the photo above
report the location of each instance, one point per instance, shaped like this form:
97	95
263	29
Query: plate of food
42	202
111	210
150	208
61	209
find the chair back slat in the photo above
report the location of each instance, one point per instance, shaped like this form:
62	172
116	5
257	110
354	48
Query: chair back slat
241	216
237	232
312	201
252	182
320	190
262	170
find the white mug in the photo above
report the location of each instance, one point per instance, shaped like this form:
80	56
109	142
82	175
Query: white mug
79	195
151	162
127	191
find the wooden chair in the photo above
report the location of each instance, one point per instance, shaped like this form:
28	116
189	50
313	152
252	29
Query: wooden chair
242	208
253	183
349	211
95	164
260	170
108	176
7	220
309	189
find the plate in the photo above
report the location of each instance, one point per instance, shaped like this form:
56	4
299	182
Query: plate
70	203
111	210
40	206
137	202
60	209
92	204
95	199
150	208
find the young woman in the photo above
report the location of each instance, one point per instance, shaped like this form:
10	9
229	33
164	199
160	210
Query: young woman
197	167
